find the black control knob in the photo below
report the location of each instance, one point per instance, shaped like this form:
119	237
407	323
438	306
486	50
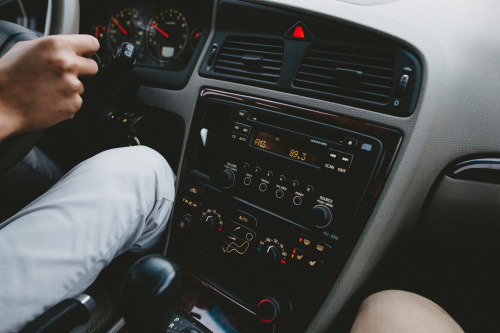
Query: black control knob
272	253
225	179
270	310
186	222
211	221
321	216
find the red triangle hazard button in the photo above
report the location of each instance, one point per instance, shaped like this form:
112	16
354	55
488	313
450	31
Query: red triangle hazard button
299	31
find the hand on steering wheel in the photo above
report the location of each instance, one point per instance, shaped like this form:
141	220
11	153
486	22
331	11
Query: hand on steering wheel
62	18
39	81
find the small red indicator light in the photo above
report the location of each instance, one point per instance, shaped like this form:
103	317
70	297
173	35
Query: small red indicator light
300	240
294	251
220	229
282	261
298	32
293	255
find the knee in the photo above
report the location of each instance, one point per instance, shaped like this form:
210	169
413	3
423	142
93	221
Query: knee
401	311
138	168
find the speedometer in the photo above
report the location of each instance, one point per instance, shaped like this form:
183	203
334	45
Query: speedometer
167	34
125	26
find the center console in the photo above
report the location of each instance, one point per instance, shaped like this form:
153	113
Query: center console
272	199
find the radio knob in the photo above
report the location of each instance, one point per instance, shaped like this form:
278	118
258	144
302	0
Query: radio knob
321	216
225	179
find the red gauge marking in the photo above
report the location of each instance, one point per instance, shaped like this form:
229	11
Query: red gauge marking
160	30
115	21
96	32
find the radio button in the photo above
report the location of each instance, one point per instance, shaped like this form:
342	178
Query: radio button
263	187
247	181
280	193
346	159
242	113
243	138
245	129
237	127
343	170
329	166
241	128
297	200
239	137
334	155
350	142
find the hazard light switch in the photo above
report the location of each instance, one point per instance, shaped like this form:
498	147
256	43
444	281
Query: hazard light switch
299	31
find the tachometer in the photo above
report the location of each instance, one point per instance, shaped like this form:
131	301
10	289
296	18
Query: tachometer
167	34
126	26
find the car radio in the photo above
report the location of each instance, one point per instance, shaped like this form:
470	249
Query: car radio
269	198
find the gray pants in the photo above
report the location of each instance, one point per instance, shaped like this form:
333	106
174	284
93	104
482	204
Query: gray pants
56	246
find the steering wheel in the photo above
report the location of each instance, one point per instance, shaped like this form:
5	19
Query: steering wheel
63	17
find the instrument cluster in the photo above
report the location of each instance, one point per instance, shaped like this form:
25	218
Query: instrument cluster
164	33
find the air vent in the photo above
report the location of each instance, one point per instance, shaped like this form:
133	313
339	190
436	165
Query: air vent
251	57
361	74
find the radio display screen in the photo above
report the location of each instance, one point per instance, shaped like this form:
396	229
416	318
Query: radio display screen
305	152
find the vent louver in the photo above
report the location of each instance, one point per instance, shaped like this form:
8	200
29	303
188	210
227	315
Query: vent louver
361	74
251	57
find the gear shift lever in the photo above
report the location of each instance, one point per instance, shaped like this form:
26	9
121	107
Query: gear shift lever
149	294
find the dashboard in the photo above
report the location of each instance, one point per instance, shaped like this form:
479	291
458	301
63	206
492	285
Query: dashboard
395	75
167	35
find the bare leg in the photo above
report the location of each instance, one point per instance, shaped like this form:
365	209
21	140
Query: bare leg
401	311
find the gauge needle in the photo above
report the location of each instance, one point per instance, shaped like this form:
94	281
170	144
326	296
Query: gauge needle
159	30
115	21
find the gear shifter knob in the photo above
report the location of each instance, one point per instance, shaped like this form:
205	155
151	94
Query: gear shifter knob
125	56
149	294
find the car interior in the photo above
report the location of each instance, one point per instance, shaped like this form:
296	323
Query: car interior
324	150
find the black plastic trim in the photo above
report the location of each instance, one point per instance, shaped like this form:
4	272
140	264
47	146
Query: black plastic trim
479	170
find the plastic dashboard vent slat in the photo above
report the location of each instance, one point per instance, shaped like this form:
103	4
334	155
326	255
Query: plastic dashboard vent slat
265	55
344	71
